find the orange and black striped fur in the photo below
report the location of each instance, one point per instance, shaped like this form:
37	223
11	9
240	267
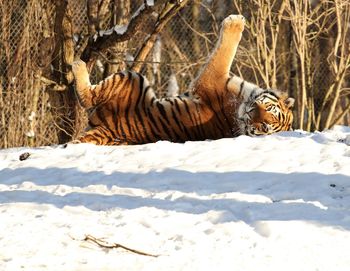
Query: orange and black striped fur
125	110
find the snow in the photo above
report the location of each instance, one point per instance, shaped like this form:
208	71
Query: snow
100	66
172	88
30	133
138	11
150	2
32	116
279	202
120	29
157	55
129	57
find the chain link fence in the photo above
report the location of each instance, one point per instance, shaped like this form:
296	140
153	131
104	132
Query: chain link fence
23	101
31	111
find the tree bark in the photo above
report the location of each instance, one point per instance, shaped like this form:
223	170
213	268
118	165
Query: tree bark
63	58
118	50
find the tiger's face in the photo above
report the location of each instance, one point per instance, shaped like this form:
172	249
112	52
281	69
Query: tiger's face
266	112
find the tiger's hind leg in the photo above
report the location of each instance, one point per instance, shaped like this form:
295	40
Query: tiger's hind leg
92	95
214	76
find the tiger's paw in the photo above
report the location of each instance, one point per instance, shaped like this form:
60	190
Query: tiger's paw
78	66
75	141
234	23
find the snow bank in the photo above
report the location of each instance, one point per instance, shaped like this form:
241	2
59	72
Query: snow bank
278	202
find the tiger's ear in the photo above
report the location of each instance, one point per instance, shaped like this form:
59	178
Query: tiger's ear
289	102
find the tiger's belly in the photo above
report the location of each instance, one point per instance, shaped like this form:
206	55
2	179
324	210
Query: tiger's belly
176	121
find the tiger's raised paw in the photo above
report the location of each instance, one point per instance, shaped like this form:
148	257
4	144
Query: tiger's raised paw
234	23
78	66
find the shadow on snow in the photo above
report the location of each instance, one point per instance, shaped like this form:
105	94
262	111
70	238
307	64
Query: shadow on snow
294	196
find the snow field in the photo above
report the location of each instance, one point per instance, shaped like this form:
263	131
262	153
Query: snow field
278	202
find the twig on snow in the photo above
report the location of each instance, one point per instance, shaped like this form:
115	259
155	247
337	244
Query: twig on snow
104	244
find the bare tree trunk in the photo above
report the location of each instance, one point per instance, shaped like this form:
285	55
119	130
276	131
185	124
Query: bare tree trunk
293	79
121	14
92	13
341	55
63	57
3	117
195	21
298	15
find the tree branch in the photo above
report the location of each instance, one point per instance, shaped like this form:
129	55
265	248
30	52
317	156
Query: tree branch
92	14
102	40
54	85
164	17
104	244
346	110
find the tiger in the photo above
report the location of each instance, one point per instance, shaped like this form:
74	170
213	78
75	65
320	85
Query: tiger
124	109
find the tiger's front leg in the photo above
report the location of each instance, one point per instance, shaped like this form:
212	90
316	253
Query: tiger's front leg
100	136
82	83
92	95
213	78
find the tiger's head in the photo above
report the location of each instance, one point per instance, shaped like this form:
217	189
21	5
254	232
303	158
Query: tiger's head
265	112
